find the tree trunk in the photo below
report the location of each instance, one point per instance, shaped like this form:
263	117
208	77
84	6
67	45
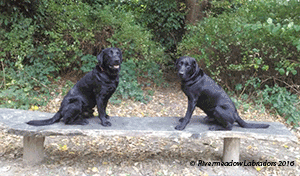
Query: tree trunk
195	10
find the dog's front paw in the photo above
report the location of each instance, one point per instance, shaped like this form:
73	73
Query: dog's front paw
181	119
180	127
105	123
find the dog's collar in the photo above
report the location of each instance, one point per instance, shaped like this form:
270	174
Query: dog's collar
194	78
100	68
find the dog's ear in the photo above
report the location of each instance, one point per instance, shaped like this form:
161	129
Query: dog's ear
100	57
177	61
198	68
195	65
120	54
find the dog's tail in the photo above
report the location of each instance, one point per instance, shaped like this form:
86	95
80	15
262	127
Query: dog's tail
50	121
244	124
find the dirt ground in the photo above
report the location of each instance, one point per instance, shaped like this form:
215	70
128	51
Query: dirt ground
127	156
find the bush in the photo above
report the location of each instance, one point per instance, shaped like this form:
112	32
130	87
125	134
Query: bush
68	32
26	85
134	40
282	102
278	99
129	87
164	19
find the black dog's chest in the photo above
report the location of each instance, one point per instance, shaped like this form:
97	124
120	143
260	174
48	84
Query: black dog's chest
202	96
105	89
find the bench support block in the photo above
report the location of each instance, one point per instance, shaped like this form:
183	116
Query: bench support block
33	149
231	150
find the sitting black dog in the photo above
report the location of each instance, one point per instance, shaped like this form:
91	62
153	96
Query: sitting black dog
95	88
205	93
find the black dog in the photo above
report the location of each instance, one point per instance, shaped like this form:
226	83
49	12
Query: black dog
95	88
206	94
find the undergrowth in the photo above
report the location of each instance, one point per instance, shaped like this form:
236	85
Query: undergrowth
278	100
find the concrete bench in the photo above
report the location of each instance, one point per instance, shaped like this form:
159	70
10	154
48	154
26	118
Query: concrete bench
13	122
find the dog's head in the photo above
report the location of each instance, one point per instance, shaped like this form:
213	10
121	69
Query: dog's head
110	60
187	67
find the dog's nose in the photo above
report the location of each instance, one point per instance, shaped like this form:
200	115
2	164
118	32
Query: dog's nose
117	61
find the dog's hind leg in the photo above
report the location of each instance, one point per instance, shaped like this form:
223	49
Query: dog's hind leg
78	120
88	113
73	114
224	117
209	119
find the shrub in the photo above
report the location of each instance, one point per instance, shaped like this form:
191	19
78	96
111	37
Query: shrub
164	19
282	102
128	86
26	85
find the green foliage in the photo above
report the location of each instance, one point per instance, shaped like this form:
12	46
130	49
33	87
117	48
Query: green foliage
88	63
27	84
276	98
151	71
134	40
164	19
257	37
282	102
71	29
223	6
128	86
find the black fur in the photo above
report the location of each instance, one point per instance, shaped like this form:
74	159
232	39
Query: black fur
95	88
205	93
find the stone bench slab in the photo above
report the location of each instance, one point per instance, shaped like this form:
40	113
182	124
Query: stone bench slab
13	121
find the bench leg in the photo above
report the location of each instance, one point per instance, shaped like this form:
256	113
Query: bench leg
231	150
33	149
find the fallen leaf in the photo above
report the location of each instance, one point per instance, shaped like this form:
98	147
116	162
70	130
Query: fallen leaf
258	169
34	108
94	169
63	148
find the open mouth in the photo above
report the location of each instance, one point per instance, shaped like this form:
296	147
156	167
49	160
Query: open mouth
115	66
